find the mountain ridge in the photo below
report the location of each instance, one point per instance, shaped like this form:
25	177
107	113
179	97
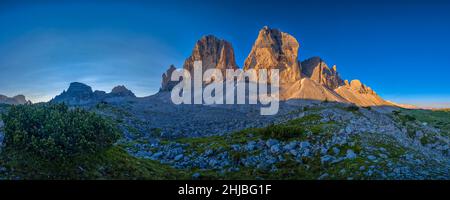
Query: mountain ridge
80	94
274	49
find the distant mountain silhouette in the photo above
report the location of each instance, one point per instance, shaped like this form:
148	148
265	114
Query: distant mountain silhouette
16	100
81	94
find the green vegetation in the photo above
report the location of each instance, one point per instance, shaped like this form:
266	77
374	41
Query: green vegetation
352	108
3	108
303	128
290	169
113	163
299	128
308	128
404	118
368	107
55	142
56	133
313	168
437	118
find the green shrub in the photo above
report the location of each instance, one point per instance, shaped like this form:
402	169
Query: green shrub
396	112
282	132
408	118
352	108
368	107
52	136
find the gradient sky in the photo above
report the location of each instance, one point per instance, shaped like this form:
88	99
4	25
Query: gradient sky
399	48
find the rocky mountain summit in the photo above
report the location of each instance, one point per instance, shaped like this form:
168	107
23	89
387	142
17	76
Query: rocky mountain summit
214	52
80	94
16	100
311	79
121	91
274	49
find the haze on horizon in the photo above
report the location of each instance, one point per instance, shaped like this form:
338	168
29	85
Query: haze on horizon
398	48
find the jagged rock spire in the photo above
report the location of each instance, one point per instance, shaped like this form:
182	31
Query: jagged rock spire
274	49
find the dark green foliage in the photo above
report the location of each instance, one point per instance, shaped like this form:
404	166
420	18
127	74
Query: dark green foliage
295	128
404	118
282	132
437	118
55	142
101	105
54	132
352	108
368	108
396	112
408	118
113	163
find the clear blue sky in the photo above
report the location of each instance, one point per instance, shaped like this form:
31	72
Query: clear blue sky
399	48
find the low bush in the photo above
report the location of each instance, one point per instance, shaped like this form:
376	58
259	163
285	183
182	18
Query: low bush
352	108
48	138
282	132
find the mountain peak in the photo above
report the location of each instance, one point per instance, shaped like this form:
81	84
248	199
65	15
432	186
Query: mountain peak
166	83
80	88
80	94
214	53
121	90
16	100
20	98
274	49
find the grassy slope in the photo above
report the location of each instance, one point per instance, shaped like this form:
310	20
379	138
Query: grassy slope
437	118
113	163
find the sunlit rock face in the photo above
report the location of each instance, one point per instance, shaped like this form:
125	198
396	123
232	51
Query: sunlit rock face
360	94
311	79
274	49
214	54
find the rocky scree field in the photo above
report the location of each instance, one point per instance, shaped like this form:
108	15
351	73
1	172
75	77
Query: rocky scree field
314	140
307	140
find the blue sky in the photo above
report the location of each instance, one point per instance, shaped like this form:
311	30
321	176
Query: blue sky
399	48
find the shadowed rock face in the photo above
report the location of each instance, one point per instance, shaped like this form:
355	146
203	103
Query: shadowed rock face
166	83
16	100
122	91
274	49
77	93
214	53
317	70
